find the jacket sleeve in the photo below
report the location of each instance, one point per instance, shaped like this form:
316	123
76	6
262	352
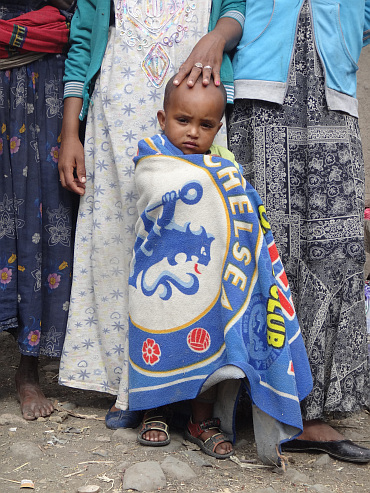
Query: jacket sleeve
366	38
234	9
79	55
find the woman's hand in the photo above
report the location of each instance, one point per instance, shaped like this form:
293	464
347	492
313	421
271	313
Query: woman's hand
206	57
71	163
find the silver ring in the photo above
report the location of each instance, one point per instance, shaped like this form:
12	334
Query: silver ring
198	65
207	66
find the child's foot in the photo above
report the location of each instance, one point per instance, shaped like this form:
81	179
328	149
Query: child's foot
154	431
208	436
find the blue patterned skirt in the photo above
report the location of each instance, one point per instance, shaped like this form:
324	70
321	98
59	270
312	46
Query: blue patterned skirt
306	163
36	213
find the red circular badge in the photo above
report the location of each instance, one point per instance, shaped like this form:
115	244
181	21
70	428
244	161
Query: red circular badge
199	340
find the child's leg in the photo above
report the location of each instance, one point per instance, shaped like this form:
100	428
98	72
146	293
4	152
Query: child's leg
202	410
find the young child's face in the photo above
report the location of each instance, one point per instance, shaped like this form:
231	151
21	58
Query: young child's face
192	117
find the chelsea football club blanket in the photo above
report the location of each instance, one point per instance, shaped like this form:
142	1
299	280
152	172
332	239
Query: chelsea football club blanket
209	297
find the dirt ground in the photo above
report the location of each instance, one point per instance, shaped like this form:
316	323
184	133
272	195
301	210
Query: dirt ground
74	448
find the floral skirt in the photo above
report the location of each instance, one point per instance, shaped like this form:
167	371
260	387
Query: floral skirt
306	163
36	213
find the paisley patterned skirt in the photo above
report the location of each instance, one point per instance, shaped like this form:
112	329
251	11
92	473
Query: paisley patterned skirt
36	226
306	163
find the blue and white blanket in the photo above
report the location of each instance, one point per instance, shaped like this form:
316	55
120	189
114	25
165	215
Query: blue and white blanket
209	298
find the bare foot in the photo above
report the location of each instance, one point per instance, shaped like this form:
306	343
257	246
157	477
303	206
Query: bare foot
318	431
33	401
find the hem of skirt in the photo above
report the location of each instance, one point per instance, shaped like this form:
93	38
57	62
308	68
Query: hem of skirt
11	323
84	386
336	414
35	354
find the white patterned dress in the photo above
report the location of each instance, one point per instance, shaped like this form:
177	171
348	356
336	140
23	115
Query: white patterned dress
147	46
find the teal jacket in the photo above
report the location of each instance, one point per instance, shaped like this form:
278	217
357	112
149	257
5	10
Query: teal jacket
263	57
89	37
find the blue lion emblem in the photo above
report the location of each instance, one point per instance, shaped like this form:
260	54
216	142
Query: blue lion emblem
166	239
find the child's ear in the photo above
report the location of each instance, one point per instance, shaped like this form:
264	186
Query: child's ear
161	115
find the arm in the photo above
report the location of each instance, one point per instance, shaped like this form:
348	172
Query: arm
71	163
224	36
71	159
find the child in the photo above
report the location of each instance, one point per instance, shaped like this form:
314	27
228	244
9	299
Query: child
205	283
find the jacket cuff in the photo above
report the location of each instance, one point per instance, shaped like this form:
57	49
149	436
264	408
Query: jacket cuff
234	14
73	89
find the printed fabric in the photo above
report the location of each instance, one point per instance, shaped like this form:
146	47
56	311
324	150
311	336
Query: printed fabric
36	213
307	165
127	95
208	291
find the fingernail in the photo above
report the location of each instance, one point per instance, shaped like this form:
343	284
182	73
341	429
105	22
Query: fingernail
217	83
176	82
83	179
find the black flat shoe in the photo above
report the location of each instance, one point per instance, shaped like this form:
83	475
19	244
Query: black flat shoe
340	449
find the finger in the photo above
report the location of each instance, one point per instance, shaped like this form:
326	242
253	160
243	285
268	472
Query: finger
194	75
216	77
81	171
61	178
71	183
207	72
184	70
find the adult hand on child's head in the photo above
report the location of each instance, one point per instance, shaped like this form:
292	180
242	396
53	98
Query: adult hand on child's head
204	61
206	58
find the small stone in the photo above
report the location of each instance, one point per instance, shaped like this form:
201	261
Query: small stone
89	488
67	406
295	476
101	453
103	439
63	415
320	488
122	449
12	419
122	467
144	476
26	450
196	458
323	460
177	469
41	419
55	419
124	435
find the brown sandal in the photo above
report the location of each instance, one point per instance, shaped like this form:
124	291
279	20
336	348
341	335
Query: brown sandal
194	430
154	420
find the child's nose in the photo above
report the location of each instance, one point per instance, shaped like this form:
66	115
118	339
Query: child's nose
193	130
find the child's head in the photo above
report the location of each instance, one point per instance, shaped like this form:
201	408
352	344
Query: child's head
191	115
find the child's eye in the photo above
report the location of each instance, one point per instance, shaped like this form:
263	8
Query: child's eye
207	125
182	120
